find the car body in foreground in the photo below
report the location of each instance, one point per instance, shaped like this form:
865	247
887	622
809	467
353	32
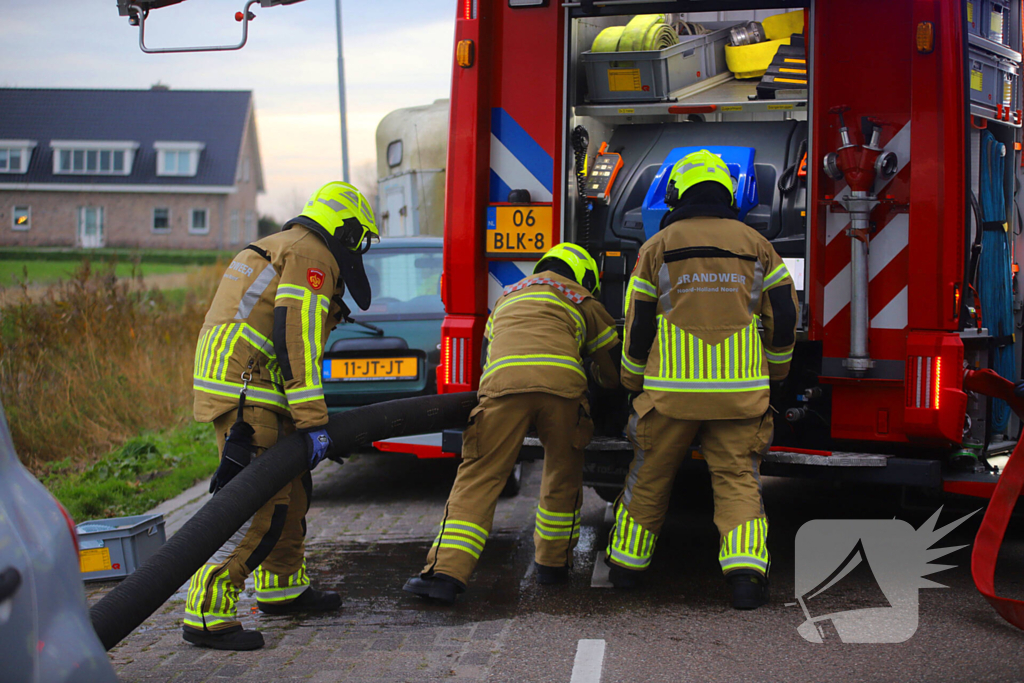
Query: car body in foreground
45	631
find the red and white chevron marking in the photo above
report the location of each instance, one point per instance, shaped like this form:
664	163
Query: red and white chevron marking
888	257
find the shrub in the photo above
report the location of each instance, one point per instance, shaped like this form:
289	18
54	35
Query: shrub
97	361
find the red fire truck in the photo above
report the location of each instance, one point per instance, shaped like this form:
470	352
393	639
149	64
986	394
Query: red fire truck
883	167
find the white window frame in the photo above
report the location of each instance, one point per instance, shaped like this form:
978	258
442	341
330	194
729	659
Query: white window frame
128	147
192	229
235	228
194	149
249	233
161	231
21	228
25	147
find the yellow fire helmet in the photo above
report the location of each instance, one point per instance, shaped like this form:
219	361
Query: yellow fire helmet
342	217
345	214
698	167
581	264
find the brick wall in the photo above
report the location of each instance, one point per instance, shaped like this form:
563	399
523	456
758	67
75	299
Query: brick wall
128	217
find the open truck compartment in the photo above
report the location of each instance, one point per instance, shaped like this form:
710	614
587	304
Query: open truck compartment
923	99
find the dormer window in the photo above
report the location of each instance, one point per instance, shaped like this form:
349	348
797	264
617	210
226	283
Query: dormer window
93	157
177	158
14	155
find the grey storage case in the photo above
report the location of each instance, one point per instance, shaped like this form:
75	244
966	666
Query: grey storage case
114	548
993	81
654	75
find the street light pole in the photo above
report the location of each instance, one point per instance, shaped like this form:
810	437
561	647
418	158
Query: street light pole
341	100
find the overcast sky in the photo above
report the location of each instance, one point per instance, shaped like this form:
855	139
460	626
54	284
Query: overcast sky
397	54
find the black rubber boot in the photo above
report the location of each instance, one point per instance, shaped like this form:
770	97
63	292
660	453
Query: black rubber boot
549	576
310	600
622	577
750	589
234	638
440	587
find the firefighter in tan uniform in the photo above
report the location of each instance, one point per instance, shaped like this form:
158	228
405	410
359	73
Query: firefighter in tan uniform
540	331
710	323
257	377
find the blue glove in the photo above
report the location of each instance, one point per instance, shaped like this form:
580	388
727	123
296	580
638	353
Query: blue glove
318	443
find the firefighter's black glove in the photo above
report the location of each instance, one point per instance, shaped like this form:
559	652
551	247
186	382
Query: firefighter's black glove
237	454
1018	388
630	397
775	396
317	445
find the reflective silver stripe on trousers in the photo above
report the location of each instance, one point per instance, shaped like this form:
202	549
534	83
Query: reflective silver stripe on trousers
255	291
566	521
566	533
700	385
638	461
461	545
755	288
744	560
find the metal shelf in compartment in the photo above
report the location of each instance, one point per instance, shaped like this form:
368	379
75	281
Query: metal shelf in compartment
990	115
727	95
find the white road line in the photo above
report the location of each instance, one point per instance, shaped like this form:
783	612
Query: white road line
589	662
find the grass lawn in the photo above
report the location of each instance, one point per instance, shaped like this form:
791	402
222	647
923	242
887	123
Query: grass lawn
42	272
133	479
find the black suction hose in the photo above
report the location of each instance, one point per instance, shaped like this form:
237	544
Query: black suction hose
143	592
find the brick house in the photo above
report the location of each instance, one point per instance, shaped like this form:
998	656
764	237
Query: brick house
153	168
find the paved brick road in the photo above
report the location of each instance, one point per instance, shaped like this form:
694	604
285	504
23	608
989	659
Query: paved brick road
370	525
373	519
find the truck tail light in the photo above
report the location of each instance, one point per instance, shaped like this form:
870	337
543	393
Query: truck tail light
935	402
924	382
459	369
455	360
455	367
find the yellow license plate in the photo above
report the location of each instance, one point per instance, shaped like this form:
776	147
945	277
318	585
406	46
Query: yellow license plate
519	230
365	369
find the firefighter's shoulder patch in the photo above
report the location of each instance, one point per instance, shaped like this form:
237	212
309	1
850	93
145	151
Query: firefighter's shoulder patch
315	278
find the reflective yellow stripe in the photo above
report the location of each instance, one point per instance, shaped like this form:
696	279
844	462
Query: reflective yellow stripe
550	298
534	359
272	587
746	547
783	357
629	543
637	284
218	590
773	278
290	292
690	364
602	340
631	366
